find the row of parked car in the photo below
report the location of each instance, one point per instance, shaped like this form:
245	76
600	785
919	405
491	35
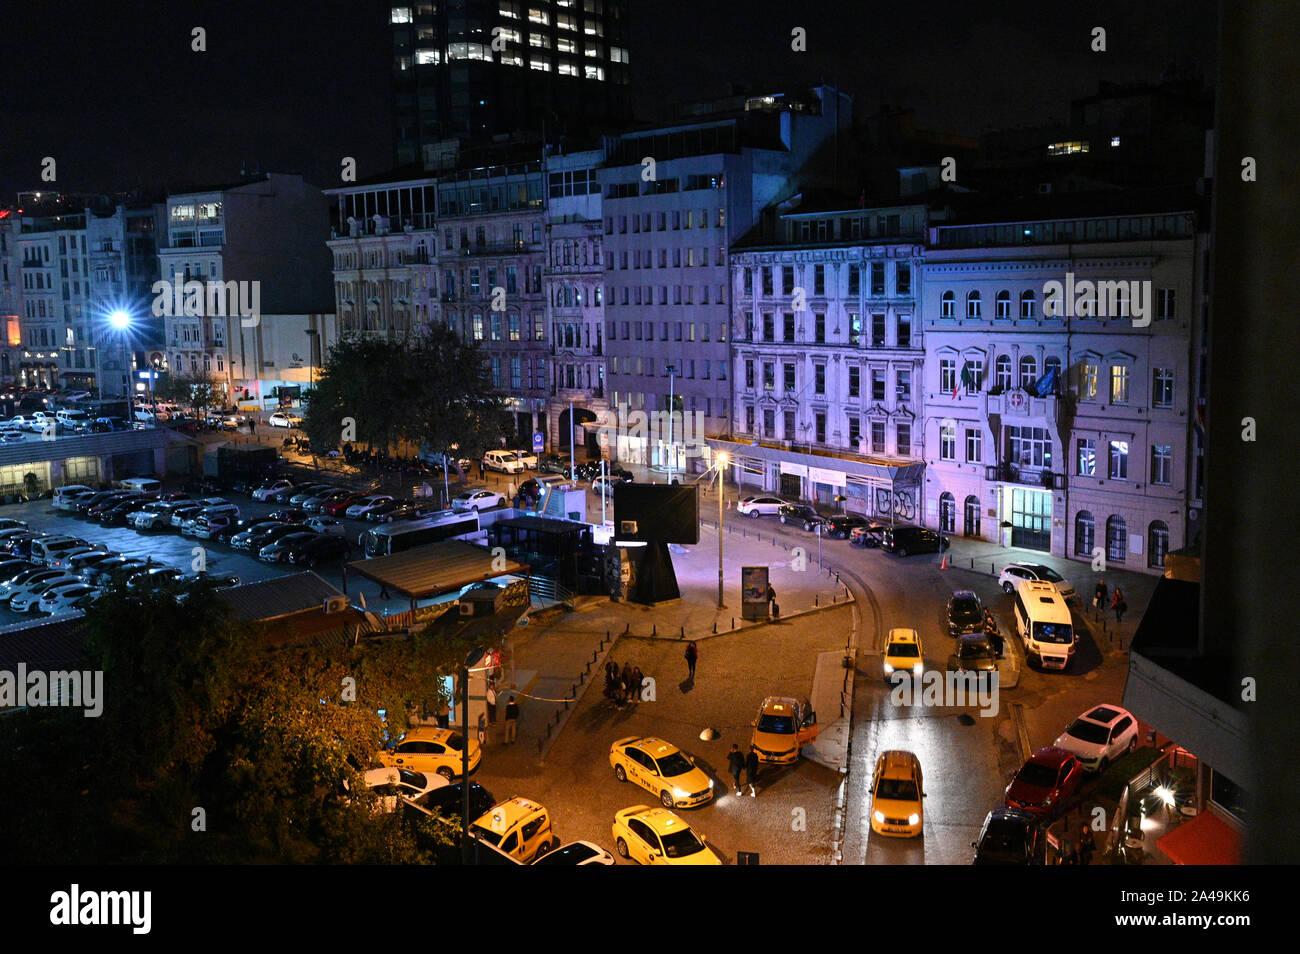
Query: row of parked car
900	539
49	573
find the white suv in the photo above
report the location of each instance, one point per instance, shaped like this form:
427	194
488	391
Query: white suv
1099	735
1013	573
503	460
765	506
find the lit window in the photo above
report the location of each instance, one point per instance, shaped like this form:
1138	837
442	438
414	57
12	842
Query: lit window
595	73
537	15
400	15
565	45
428	57
539	64
567	69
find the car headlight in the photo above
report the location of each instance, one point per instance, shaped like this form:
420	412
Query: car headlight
913	818
916	670
879	817
888	669
678	793
1047	800
710	784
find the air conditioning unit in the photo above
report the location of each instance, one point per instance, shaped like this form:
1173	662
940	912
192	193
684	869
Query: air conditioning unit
466	609
336	604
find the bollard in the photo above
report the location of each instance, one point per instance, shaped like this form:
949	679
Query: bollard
683	633
715	627
655	630
733	622
815	603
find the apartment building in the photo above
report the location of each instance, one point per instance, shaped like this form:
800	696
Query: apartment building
827	359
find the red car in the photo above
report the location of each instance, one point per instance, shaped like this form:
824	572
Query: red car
336	507
1045	782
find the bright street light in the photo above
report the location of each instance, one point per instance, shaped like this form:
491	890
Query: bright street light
119	320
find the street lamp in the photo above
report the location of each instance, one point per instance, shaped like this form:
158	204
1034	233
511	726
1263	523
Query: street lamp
722	464
120	321
672	456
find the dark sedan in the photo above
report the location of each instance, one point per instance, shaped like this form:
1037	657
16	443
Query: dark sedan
842	525
448	801
288	515
801	515
379	513
973	654
1011	837
324	548
965	613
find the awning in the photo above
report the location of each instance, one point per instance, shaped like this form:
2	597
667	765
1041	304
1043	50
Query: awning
1205	840
436	568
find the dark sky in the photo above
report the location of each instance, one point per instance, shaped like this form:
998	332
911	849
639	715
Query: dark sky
117	97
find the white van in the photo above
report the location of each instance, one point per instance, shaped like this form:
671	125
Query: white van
144	416
47	550
143	485
64	496
1044	623
507	462
73	420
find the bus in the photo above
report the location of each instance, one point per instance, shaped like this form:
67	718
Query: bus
1044	622
445	525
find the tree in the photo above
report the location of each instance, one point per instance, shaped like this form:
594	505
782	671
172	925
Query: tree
194	389
431	391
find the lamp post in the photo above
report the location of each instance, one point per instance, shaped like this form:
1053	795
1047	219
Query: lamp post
121	322
672	456
722	473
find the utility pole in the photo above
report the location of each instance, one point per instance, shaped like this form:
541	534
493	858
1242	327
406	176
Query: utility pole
722	465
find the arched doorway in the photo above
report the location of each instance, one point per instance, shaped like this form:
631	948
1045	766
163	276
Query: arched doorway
971	526
582	437
947	512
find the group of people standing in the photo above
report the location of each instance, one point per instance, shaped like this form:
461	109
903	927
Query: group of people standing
623	685
1117	602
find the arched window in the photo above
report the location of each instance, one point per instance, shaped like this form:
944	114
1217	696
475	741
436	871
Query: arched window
972	514
948	305
1027	304
1004	304
947	512
1157	544
1085	532
1053	364
973	305
1002	372
1028	371
1116	539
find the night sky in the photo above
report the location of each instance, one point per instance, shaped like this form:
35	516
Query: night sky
119	99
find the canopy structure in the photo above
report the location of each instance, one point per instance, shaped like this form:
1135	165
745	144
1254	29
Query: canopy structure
436	568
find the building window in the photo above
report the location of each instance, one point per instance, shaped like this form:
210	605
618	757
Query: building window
788	375
855	280
877	279
947	512
1030	447
1162	463
903	431
902	279
1116	539
947	442
1003	304
1118	460
878	437
787	329
974	370
904	386
769	375
877	385
905	331
1157	544
973	305
1162	387
819	279
1084	533
769	327
948	305
1002	372
819	379
819	424
1085	458
1165	304
855	431
1028	372
877	331
1088	382
819	329
855	381
1027	304
1119	384
855	329
947	375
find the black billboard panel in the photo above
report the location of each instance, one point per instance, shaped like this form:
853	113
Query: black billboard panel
659	513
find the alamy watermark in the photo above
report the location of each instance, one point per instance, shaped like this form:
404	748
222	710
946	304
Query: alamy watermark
682	428
36	688
195	299
934	688
1098	299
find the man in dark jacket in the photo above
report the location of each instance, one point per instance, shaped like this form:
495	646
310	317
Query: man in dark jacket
736	762
751	770
512	719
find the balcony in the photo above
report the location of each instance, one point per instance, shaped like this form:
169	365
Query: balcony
1020	403
1008	473
500	248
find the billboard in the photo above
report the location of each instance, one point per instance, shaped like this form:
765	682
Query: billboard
658	513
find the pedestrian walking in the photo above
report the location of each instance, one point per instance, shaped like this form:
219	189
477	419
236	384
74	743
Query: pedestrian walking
692	657
736	762
638	682
512	720
751	770
1087	844
1118	605
1099	596
512	492
492	702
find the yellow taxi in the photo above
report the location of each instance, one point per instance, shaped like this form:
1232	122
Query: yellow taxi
662	769
430	750
656	836
519	827
896	792
784	726
903	653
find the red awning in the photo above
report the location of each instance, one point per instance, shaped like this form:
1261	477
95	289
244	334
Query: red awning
1205	840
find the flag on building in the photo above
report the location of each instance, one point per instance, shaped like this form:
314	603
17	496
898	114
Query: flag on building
966	380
